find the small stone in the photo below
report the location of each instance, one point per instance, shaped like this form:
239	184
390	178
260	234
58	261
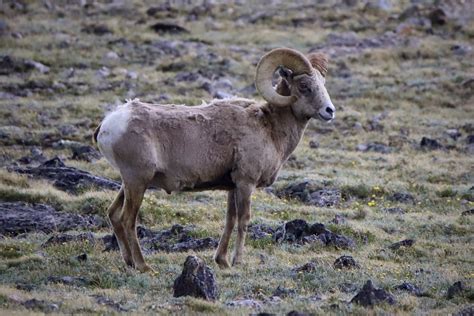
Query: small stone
470	139
346	262
103	72
467	311
325	197
111	56
347	287
455	290
40	305
97	29
283	292
82	257
394	210
38	66
370	296
168	28
297	313
402	197
86	153
68	280
197	279
64	238
453	133
307	267
404	243
430	144
245	303
410	288
438	17
102	300
132	75
375	147
313	144
338	219
468	212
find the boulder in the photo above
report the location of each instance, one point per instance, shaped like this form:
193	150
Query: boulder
345	262
197	280
69	179
370	296
19	217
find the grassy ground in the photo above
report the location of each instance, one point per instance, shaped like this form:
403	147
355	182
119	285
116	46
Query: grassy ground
419	84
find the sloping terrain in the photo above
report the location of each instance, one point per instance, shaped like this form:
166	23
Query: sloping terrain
391	180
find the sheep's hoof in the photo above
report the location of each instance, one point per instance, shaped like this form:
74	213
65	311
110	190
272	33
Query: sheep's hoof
147	269
222	262
236	261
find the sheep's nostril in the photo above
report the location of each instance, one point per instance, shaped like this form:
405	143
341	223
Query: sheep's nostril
329	110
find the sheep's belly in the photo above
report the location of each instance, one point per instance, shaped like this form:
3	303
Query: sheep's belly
171	184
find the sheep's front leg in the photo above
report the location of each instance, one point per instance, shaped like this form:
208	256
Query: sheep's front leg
221	252
242	203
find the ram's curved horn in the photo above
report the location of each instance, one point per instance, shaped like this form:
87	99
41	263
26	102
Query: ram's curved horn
267	65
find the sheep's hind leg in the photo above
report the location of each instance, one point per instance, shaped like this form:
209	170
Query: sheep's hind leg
114	212
221	252
133	199
242	202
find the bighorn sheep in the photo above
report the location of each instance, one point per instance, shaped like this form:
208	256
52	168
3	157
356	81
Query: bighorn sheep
232	144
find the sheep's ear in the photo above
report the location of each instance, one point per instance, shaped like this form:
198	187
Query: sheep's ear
285	73
283	87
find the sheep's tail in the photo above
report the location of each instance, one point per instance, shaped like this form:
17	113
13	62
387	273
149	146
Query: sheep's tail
96	132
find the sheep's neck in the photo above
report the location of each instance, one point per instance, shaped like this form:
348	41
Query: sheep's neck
287	129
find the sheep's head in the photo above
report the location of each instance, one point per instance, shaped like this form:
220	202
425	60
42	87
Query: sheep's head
302	82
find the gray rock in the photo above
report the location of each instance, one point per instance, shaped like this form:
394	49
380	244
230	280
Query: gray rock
36	157
86	153
176	239
197	280
67	129
38	66
168	28
18	218
283	292
404	243
468	212
403	197
68	280
430	144
394	210
103	300
375	147
370	296
311	193
65	178
299	231
346	262
307	267
63	238
97	29
455	290
467	311
250	303
325	197
347	287
410	288
41	305
339	219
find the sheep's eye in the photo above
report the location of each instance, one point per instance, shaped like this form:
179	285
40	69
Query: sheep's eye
304	87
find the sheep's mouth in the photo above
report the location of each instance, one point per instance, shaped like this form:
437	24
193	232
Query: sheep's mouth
325	118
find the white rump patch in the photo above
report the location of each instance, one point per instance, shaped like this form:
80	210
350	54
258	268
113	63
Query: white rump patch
113	127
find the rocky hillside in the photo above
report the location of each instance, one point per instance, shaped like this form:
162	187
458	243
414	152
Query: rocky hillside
371	213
